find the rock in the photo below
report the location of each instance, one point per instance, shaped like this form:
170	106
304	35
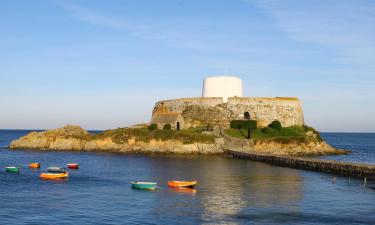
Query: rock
75	138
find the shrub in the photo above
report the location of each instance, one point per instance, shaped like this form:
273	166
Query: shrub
153	127
318	136
266	130
307	128
275	125
167	127
243	124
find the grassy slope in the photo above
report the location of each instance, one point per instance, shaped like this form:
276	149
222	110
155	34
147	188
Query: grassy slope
122	135
285	135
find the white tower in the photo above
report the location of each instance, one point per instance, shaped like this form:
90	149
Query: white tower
222	86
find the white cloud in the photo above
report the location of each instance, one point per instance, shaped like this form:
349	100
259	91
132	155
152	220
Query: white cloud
345	26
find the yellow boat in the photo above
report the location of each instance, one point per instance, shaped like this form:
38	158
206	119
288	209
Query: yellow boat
54	176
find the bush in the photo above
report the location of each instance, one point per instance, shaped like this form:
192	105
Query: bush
266	130
152	127
318	136
243	124
307	128
275	125
167	127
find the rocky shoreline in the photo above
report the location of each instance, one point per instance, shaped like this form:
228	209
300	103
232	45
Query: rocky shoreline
74	138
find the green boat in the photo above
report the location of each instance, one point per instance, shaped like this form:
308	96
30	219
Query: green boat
144	185
12	169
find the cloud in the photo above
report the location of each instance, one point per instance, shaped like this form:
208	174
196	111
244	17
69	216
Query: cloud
180	32
344	26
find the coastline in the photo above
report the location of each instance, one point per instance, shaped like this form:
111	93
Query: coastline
126	140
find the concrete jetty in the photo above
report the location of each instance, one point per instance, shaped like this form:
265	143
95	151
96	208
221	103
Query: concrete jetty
328	166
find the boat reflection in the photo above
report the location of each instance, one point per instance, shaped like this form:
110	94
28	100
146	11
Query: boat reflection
229	188
247	185
184	190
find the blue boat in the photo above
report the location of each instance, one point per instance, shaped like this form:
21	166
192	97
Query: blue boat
144	185
54	169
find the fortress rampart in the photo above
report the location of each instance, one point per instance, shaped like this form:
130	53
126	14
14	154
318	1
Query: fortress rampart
213	111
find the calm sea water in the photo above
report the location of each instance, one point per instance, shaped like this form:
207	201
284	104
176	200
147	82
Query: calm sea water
230	191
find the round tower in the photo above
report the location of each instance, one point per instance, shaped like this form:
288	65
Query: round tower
222	86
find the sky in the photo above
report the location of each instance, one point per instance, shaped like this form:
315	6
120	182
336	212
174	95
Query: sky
103	64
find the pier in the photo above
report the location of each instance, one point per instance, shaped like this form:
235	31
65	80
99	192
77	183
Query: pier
315	164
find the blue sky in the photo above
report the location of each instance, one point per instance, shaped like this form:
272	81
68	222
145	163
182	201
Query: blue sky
103	64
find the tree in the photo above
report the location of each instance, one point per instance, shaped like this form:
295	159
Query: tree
153	127
275	125
167	126
244	124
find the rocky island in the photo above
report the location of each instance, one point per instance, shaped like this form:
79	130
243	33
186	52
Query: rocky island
200	126
144	140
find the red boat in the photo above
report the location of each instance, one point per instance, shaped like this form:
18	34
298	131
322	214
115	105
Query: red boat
73	165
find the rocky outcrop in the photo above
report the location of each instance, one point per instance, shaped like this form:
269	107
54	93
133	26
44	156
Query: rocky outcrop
74	138
310	147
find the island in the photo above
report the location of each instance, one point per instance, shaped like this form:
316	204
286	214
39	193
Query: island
202	125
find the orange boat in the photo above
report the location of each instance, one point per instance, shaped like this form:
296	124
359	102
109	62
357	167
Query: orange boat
54	176
176	183
34	165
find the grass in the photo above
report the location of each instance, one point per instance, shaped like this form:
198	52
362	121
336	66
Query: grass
189	136
284	135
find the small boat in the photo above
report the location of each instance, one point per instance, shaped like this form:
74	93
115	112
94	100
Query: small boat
144	185
72	165
12	169
176	183
34	165
54	176
55	169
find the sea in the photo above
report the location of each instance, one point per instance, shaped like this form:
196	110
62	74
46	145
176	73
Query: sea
229	191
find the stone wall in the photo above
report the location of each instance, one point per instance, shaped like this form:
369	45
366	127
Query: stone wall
328	166
265	110
213	111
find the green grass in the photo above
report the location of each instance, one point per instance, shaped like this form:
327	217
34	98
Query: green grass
189	136
284	135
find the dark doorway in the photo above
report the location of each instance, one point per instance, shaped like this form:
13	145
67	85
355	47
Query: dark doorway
246	116
178	126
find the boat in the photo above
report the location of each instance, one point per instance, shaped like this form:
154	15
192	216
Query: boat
34	165
144	185
54	176
72	165
176	183
54	169
12	169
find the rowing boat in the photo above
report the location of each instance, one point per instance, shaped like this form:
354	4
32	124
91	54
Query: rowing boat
34	165
72	165
12	169
176	183
144	185
54	169
54	176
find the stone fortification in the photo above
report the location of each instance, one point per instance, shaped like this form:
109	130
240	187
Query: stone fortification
213	111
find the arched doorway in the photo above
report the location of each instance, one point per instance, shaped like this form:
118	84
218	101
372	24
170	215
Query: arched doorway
246	116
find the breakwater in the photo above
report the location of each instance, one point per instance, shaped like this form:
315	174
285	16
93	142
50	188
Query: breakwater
314	164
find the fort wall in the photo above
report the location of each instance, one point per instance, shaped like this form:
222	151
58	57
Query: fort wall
203	111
